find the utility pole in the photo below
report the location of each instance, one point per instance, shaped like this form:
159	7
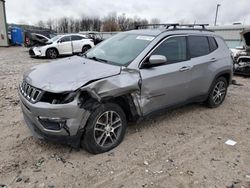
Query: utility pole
217	9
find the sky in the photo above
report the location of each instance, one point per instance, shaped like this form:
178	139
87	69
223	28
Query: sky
167	11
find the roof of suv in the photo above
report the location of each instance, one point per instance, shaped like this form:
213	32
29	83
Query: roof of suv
156	32
173	28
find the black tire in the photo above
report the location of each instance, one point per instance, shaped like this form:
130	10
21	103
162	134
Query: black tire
85	48
217	93
52	53
101	134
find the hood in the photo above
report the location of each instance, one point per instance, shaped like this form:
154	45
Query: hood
246	37
68	74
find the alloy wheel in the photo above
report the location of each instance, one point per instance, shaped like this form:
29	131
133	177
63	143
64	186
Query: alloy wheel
219	92
108	129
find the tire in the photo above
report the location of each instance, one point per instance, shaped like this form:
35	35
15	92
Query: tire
102	134
51	53
85	49
217	93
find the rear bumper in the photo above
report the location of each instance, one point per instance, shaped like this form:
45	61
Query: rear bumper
69	133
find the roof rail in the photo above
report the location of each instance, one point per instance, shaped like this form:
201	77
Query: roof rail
174	26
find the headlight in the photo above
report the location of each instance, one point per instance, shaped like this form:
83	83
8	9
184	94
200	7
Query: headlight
58	98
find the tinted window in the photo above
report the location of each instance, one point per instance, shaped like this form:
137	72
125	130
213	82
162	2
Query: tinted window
76	37
198	46
174	49
65	39
213	44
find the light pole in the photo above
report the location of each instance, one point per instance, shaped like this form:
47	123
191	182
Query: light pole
217	9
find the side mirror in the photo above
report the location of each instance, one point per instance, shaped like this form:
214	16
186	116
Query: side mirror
157	59
59	41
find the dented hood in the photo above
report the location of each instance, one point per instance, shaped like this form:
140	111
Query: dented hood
246	36
68	74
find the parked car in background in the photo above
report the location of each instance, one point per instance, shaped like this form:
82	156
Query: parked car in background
62	45
88	100
241	55
37	37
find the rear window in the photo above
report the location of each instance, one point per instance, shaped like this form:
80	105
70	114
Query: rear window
212	43
198	46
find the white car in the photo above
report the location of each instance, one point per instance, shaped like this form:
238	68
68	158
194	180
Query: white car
63	45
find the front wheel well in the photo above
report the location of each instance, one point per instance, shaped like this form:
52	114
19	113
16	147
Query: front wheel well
52	48
124	101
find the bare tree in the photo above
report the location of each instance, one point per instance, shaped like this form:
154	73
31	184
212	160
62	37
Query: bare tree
110	23
41	24
155	21
63	25
49	23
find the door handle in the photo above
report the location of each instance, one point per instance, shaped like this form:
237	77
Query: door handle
213	60
186	68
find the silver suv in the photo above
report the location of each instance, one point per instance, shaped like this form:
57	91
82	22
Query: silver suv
87	101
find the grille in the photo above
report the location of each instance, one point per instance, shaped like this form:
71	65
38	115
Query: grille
31	93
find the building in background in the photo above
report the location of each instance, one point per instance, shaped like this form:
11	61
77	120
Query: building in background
231	34
4	41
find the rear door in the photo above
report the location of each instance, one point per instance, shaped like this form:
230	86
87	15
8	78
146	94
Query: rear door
167	84
77	43
202	51
65	45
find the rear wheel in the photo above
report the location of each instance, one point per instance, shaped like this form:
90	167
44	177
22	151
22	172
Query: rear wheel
105	129
218	93
52	53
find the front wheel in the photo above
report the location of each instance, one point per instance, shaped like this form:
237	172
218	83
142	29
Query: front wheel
217	93
105	129
52	53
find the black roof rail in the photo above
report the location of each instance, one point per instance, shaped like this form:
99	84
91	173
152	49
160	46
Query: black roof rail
142	26
203	26
173	26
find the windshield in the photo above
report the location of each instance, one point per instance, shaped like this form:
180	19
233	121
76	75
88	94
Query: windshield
120	49
55	38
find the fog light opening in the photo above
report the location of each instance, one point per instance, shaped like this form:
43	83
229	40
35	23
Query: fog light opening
52	123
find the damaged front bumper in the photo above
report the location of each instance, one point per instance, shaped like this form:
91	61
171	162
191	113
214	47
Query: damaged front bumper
242	68
62	123
35	52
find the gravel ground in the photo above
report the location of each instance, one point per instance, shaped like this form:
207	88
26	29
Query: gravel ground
179	148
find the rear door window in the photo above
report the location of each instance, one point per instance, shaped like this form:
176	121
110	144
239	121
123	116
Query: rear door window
198	46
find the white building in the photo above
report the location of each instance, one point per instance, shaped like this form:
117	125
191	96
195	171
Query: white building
3	25
231	33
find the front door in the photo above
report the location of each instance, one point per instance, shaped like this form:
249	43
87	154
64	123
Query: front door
167	84
65	45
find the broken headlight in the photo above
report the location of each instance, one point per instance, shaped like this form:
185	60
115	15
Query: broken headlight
58	98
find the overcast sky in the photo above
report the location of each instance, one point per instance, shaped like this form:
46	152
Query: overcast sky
168	11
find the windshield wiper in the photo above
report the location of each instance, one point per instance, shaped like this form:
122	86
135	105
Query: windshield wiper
97	59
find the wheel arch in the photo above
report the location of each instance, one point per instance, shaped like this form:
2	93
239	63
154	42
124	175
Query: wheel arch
226	74
126	102
52	48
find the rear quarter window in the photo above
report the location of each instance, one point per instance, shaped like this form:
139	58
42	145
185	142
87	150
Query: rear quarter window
198	46
212	43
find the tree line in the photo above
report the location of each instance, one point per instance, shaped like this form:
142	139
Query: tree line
111	22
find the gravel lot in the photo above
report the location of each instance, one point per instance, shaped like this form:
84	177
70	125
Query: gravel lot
180	148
